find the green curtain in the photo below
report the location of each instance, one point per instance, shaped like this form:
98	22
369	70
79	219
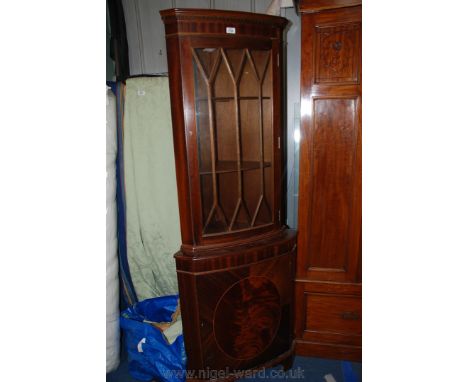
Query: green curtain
153	229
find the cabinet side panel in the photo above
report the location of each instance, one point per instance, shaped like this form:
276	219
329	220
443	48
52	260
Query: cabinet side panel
190	320
178	127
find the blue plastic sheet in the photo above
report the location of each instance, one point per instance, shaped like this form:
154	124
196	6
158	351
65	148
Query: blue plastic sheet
348	373
150	355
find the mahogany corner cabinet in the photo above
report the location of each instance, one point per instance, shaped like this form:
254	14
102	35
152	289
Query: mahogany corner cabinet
236	264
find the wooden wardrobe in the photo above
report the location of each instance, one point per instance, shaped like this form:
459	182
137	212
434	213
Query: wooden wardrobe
328	276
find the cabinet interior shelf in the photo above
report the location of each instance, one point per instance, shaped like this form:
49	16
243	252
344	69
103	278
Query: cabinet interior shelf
226	166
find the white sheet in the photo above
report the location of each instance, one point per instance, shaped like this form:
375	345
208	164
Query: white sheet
112	262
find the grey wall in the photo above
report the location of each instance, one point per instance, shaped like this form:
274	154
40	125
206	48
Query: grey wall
293	103
145	30
110	66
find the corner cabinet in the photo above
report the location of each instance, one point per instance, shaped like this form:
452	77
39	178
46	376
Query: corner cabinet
328	279
236	264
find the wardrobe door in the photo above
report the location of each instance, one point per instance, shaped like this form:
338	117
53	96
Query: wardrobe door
330	164
329	251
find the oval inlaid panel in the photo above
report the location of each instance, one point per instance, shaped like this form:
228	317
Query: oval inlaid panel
247	317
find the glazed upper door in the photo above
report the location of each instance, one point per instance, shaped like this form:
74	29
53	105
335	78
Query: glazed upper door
233	106
330	175
225	85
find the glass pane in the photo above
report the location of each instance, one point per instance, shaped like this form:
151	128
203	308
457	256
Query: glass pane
267	85
226	132
206	184
249	82
235	58
260	59
203	122
234	126
251	151
265	214
223	82
202	65
207	58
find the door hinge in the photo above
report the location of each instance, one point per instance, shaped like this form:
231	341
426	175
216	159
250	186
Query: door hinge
279	142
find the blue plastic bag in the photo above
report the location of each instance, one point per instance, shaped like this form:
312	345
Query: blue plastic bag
150	356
